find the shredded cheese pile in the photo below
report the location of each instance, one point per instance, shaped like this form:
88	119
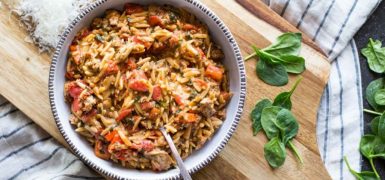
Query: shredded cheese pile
46	19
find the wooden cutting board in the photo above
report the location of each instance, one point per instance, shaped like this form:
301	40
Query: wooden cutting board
24	79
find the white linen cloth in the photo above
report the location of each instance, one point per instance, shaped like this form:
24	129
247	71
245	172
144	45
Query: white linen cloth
29	153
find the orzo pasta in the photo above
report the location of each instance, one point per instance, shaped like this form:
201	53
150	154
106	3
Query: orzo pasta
134	71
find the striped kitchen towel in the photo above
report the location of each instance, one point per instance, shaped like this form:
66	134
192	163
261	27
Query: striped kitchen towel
29	153
332	25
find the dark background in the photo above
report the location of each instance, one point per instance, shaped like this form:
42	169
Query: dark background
373	28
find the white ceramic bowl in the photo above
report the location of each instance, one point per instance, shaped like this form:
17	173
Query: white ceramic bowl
198	159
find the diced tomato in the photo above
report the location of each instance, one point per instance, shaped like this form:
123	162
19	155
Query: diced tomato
74	90
73	47
155	21
100	152
225	96
116	139
157	93
145	106
133	8
112	68
75	107
89	115
138	81
190	117
178	100
188	27
110	135
124	113
154	113
138	85
214	72
131	64
146	44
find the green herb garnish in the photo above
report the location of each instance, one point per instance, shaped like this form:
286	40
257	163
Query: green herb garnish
279	59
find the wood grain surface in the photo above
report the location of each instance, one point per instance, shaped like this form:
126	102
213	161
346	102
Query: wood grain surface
24	81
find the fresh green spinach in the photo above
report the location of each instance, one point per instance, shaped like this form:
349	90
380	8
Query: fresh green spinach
375	55
271	73
364	175
287	124
275	152
256	115
379	97
269	121
374	125
371	90
284	99
279	59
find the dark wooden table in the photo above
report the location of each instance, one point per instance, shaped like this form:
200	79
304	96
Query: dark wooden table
373	28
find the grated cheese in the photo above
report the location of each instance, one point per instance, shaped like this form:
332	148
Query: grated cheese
46	19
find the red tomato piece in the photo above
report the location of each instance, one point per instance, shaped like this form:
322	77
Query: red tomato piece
214	72
157	93
188	27
133	8
75	107
178	100
112	68
131	64
138	85
155	21
145	106
124	113
110	135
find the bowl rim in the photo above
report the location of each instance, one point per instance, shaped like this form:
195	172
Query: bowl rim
242	93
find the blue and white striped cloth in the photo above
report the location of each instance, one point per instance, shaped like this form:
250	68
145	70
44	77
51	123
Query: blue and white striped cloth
332	25
29	153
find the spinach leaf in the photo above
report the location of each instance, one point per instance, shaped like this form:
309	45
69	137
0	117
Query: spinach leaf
379	97
375	55
371	90
286	44
268	121
381	127
256	115
287	124
284	99
271	73
295	151
374	125
367	145
278	59
364	175
293	64
275	152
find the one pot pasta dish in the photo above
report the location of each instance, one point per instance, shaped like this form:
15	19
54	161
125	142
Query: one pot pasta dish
136	70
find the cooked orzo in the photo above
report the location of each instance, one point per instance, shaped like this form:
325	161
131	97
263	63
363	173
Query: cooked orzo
134	71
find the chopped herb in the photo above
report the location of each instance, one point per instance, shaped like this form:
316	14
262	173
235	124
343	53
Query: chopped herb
99	38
